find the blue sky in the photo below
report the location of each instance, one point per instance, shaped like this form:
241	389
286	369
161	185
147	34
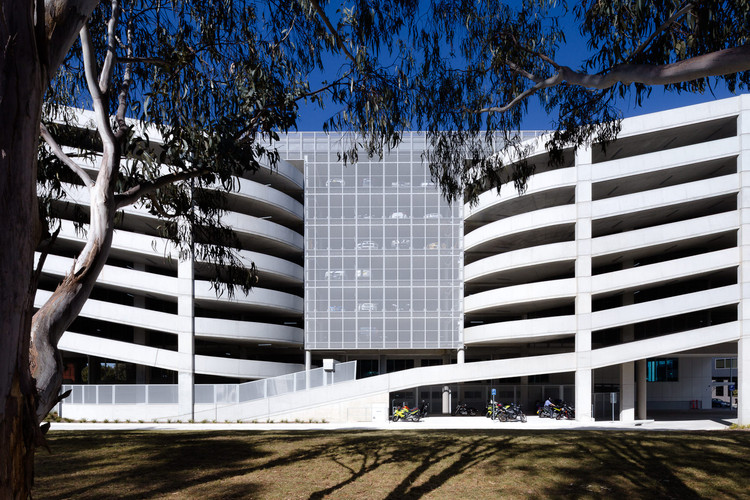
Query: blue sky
311	117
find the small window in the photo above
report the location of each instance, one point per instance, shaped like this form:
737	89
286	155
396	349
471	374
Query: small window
662	370
726	363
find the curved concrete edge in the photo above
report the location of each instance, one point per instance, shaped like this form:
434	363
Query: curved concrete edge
286	169
661	272
538	183
84	118
546	217
663	160
213	328
521	259
130	280
255	191
254	226
261	297
663	234
152	246
275	266
242	224
129	315
664	197
663	308
520	294
665	344
172	360
119	277
518	331
696	113
225	329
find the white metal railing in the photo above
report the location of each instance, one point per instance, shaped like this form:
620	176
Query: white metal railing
210	393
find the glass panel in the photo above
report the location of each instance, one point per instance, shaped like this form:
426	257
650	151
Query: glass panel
381	228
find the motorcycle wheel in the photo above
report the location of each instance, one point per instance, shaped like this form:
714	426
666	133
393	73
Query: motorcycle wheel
394	418
559	416
523	417
502	417
472	412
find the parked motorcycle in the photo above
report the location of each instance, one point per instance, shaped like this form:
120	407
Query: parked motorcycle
463	409
403	412
566	411
510	413
549	411
558	412
423	409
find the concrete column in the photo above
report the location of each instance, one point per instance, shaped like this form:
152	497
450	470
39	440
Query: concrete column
743	271
524	397
139	334
141	371
584	386
627	370
641	388
308	366
743	380
186	340
461	356
447	400
95	370
627	392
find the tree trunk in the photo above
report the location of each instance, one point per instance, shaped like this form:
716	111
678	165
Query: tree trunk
56	315
22	80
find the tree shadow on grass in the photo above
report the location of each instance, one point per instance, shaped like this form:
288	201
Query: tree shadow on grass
321	464
375	452
172	460
466	457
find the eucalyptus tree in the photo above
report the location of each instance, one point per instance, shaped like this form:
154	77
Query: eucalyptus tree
483	62
184	95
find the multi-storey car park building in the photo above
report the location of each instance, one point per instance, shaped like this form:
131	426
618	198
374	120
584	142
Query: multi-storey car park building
623	271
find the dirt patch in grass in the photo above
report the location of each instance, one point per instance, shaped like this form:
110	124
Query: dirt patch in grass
392	464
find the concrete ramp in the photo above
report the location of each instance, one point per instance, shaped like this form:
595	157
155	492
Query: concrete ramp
368	399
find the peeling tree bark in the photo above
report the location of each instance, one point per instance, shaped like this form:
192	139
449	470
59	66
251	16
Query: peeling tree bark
21	85
34	39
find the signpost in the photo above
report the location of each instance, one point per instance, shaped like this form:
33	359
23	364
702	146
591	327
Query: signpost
613	400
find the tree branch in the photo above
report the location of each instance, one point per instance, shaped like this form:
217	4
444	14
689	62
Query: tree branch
555	79
339	41
122	98
133	194
144	60
100	109
523	72
57	150
672	19
105	79
722	62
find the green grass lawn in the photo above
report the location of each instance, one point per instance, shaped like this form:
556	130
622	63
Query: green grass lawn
393	464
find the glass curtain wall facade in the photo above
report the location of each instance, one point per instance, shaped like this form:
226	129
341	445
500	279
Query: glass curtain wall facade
383	250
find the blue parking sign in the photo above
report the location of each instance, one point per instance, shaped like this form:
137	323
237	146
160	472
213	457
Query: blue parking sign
494	392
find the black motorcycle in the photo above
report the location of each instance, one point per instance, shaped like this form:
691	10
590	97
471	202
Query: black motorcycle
510	413
463	409
566	411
